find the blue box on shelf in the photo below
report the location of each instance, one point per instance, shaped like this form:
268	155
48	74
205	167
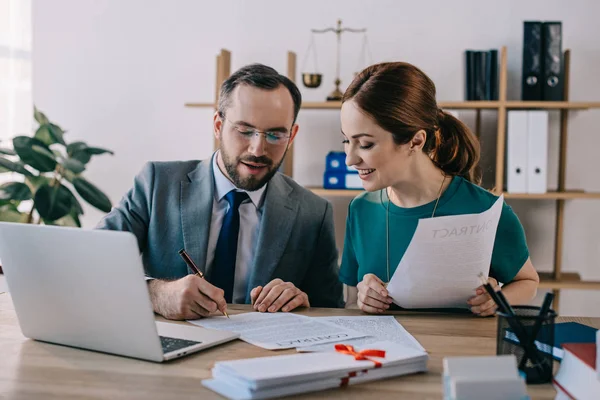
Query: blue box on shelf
336	161
341	180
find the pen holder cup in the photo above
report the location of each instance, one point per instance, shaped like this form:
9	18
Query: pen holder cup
534	358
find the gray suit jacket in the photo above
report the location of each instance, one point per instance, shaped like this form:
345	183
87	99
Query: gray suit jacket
169	208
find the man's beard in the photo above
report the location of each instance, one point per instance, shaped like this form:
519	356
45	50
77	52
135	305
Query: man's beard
251	182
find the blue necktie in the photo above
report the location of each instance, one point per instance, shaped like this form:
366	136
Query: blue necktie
223	268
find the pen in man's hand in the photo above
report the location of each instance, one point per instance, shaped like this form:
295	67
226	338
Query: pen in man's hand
188	260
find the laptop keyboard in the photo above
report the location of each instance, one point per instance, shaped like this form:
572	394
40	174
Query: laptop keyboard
170	344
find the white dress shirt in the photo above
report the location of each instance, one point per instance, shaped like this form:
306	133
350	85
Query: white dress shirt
250	216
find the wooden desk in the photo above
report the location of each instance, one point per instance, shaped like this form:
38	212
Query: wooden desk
30	369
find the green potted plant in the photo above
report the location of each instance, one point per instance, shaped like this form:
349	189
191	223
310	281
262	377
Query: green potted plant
51	173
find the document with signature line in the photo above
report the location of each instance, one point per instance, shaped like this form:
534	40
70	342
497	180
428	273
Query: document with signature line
274	331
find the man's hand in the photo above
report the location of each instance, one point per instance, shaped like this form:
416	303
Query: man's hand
190	297
482	304
277	295
373	296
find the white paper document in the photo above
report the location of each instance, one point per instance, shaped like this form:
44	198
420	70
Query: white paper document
279	330
441	265
378	328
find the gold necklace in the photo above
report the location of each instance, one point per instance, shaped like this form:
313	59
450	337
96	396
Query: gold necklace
387	224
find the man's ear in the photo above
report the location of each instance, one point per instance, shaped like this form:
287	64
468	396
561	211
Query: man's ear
217	125
293	134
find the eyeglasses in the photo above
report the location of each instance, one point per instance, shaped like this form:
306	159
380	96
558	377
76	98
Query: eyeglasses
246	133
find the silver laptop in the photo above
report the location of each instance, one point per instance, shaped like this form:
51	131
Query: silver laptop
86	289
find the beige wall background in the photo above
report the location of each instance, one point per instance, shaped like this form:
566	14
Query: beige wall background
117	73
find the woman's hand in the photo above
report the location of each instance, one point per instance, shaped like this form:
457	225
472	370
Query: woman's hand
373	297
482	304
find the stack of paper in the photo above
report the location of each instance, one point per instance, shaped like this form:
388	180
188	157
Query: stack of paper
278	376
483	377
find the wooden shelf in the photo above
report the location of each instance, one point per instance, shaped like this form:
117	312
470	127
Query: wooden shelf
553	105
322	105
469	105
455	105
465	105
568	280
335	192
569	195
201	105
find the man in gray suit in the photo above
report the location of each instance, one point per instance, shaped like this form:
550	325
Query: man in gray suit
257	235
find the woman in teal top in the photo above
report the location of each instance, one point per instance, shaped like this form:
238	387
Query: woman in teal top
415	161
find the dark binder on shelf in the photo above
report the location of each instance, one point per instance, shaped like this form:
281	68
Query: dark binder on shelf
491	75
469	79
531	83
480	68
553	82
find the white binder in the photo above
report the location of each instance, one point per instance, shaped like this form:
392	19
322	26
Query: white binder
516	152
537	152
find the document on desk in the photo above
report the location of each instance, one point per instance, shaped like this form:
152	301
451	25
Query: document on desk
444	258
378	328
275	331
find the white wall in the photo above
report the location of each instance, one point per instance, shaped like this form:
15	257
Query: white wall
117	73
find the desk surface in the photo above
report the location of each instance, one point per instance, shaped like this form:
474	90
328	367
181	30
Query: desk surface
31	369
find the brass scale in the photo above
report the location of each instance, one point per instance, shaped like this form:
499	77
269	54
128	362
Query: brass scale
314	79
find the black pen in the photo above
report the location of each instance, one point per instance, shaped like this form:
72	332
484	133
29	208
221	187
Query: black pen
188	260
538	323
518	328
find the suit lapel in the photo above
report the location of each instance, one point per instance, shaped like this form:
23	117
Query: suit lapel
279	215
196	212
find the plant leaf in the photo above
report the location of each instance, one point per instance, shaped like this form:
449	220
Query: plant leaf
75	147
57	134
9	213
8	152
49	134
15	191
75	218
39	116
43	151
53	202
73	165
98	150
43	135
81	152
77	209
92	194
82	156
34	182
71	219
24	147
14	166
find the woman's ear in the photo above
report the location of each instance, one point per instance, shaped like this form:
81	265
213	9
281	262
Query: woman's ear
418	140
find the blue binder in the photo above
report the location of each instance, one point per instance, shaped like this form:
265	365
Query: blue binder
336	161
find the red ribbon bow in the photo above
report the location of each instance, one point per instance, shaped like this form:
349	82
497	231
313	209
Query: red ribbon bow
361	355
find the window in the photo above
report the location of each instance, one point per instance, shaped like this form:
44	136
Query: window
16	103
